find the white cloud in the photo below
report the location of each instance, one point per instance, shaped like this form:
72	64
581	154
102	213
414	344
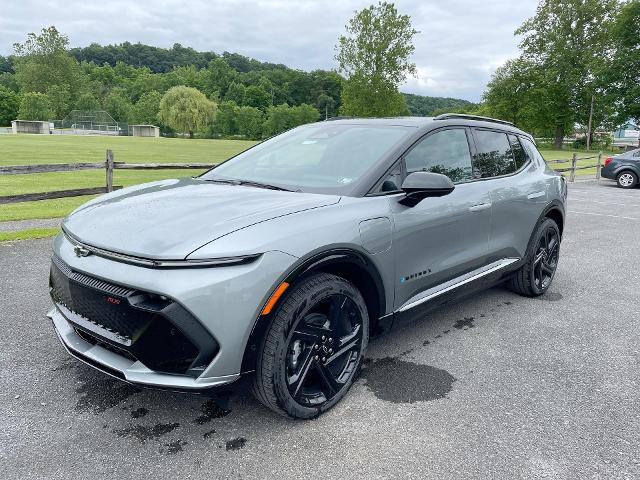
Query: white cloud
460	43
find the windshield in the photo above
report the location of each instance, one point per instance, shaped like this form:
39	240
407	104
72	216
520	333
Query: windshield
323	157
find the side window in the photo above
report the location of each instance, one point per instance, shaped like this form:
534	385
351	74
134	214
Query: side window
445	152
518	152
532	152
494	156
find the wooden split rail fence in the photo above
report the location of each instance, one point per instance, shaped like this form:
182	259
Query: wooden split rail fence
109	165
574	160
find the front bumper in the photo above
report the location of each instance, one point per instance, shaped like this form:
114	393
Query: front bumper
123	368
224	302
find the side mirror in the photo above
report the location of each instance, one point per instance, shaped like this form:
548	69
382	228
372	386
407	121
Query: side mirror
420	185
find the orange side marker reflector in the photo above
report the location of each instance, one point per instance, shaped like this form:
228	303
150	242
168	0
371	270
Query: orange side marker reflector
274	298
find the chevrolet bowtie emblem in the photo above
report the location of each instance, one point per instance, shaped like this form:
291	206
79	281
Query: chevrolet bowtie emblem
80	251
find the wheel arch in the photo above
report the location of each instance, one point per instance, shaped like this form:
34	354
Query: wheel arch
555	212
350	264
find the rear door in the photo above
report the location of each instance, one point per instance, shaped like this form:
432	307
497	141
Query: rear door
518	195
440	238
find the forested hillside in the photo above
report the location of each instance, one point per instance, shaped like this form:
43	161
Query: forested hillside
45	80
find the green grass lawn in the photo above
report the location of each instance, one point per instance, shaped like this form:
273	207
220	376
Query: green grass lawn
552	154
38	149
27	149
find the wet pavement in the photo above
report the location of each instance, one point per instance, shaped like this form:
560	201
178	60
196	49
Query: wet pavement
496	386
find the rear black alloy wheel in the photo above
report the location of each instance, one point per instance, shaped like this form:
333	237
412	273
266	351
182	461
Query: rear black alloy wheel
314	347
535	276
546	260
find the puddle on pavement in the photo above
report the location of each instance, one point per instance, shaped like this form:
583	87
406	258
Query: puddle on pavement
139	412
236	443
174	447
465	323
211	410
399	381
99	392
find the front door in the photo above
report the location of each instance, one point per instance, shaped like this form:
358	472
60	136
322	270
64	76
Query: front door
440	238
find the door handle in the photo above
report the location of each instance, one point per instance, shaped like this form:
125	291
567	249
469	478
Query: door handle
479	207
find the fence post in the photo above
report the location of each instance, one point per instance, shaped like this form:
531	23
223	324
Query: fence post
109	167
572	175
599	166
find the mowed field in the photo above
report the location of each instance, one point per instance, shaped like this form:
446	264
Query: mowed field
39	149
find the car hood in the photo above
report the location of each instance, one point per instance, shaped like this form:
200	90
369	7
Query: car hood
172	218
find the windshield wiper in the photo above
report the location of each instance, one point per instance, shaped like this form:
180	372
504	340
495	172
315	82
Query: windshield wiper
250	183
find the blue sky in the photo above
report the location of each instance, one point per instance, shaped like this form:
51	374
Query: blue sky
461	42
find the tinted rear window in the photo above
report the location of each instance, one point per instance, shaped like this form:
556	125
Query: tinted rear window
493	156
518	152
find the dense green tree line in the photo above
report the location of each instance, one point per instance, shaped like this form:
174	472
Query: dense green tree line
45	79
579	66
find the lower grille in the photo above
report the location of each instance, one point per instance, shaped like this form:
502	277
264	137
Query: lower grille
138	325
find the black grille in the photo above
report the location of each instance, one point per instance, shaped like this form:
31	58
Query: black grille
101	303
138	325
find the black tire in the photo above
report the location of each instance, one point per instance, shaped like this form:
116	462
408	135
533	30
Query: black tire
627	179
535	276
298	347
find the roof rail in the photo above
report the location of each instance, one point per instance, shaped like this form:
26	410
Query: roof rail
464	116
339	117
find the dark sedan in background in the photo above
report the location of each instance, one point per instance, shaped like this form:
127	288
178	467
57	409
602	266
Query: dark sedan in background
623	168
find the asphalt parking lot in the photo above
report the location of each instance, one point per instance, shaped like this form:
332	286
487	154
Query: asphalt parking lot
497	386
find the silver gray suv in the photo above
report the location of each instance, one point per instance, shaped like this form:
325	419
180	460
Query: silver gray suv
280	263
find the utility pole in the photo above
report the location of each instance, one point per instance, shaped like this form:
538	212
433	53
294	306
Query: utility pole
590	122
326	111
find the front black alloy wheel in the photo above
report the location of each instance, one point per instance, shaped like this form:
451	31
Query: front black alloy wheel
535	276
314	347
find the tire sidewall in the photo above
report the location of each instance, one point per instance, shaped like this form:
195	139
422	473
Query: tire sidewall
633	184
292	310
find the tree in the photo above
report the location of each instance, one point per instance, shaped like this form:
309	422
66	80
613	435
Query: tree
375	56
283	117
567	40
35	106
86	101
118	105
218	76
59	98
6	64
249	121
236	93
359	98
624	71
186	109
225	122
146	109
42	61
9	105
257	97
514	94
